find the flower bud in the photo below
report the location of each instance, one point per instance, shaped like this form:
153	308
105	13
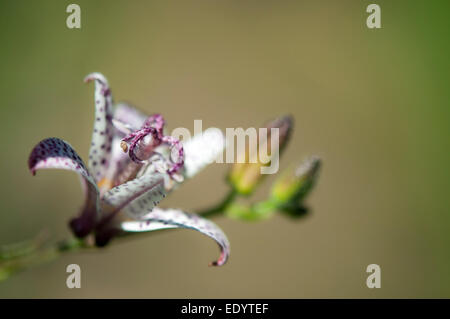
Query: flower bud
244	177
293	185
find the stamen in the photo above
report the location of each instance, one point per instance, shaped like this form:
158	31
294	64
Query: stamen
134	138
124	146
176	145
154	125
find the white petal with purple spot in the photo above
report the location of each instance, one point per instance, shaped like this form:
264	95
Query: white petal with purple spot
175	218
137	196
56	153
99	153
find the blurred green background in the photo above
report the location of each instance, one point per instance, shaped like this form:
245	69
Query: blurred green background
374	104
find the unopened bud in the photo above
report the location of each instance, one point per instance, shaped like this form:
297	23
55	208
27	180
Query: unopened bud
244	177
294	184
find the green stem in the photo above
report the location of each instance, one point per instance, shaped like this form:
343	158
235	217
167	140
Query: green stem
34	253
20	257
70	245
221	207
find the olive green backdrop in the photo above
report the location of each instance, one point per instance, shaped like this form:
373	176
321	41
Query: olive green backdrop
374	104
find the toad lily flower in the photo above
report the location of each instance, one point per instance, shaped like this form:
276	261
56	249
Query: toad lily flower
129	172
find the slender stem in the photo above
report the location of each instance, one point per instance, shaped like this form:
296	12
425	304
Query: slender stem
221	207
26	255
35	253
69	245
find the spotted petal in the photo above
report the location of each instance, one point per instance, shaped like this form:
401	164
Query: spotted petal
56	153
173	218
99	153
137	196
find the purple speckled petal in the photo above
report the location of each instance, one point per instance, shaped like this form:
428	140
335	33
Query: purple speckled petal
174	218
137	196
100	151
56	153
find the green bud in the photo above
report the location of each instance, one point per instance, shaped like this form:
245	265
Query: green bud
290	189
244	177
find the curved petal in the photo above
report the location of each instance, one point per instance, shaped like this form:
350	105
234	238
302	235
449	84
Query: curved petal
137	196
100	151
174	218
56	153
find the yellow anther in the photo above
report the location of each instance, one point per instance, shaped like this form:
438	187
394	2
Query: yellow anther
124	146
105	184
